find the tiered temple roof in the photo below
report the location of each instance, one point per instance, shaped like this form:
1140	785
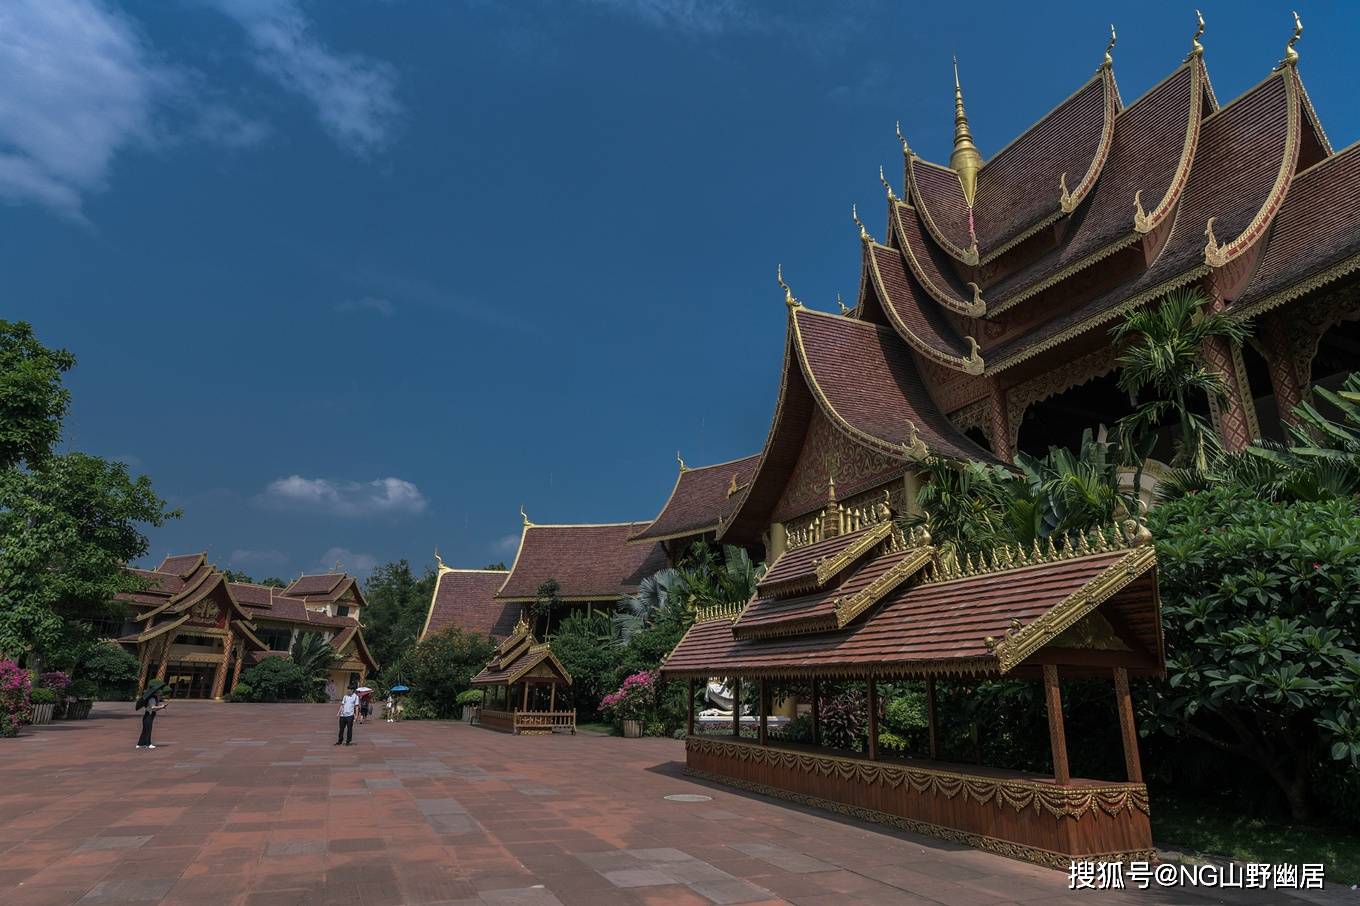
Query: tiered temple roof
928	613
466	598
700	500
588	562
519	656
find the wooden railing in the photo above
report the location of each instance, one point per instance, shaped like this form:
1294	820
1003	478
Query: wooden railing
545	721
527	721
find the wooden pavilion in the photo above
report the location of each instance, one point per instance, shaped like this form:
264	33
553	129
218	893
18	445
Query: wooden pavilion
520	688
875	604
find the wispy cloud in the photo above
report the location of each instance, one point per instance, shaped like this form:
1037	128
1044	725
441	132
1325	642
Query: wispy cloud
354	95
383	307
80	84
349	561
506	545
381	497
256	559
706	17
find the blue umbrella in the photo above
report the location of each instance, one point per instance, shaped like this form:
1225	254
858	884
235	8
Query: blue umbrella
399	688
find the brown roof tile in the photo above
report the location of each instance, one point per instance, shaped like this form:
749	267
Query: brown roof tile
182	565
589	562
307	586
700	499
935	625
1317	230
864	376
466	598
913	312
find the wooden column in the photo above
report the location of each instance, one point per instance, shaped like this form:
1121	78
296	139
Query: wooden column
999	421
1124	703
873	720
1056	735
220	674
930	718
165	658
689	719
764	711
236	667
816	714
525	706
144	655
736	706
552	697
1284	371
1234	422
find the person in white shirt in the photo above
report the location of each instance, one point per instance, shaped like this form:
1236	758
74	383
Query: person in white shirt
348	704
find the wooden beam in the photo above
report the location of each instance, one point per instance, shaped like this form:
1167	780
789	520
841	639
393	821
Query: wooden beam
873	720
931	725
764	711
689	725
816	714
736	706
1124	704
1057	737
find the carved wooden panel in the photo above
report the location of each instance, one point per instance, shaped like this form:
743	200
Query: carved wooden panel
828	453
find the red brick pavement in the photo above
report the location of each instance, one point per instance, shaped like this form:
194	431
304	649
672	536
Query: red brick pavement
253	804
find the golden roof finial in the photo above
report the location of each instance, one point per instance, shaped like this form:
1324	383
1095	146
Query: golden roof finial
966	161
863	233
679	460
841	303
906	149
523	515
789	299
1109	60
1291	56
338	567
887	186
1196	48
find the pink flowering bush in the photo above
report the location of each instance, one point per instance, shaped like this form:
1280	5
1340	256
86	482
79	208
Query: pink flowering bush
15	710
634	698
55	680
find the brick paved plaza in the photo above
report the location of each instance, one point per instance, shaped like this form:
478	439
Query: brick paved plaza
253	804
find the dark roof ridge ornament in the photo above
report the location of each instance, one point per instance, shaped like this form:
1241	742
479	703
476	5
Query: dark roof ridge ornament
789	298
965	160
1291	56
1196	48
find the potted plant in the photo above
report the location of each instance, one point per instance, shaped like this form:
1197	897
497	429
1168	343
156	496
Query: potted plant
43	701
79	700
57	683
629	705
471	702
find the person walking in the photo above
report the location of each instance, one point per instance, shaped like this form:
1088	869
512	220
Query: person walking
151	700
365	703
348	704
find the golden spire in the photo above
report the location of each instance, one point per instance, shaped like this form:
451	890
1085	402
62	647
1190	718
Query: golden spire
1109	60
679	460
965	161
523	515
841	302
789	299
1196	48
1291	56
887	186
863	233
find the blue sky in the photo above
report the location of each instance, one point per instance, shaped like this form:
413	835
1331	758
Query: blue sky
350	281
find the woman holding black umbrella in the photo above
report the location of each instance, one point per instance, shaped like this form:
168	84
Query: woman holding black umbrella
151	701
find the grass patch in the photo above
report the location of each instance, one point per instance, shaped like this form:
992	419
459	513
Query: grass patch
600	729
1208	828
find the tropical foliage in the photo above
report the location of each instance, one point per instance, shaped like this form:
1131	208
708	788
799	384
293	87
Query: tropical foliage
398	601
1163	353
438	668
590	649
314	656
111	670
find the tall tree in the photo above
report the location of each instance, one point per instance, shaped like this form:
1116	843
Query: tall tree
398	601
68	521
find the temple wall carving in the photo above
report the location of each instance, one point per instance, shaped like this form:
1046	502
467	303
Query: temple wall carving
827	455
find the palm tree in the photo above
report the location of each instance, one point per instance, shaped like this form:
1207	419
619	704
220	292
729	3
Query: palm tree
1164	354
701	580
314	655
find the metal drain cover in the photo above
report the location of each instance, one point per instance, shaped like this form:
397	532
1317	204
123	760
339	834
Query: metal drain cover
689	797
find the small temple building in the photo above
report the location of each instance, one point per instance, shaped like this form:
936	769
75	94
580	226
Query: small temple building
197	631
698	503
525	688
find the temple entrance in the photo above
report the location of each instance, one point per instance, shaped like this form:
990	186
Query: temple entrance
1338	354
191	680
1060	420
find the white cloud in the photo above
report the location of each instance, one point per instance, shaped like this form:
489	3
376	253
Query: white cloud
80	84
249	558
506	545
349	561
354	95
383	307
707	17
383	496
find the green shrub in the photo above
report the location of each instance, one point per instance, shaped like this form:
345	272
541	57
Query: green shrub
469	697
589	650
242	693
276	679
442	666
419	709
111	669
42	696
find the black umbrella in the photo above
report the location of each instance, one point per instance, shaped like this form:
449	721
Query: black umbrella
153	688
